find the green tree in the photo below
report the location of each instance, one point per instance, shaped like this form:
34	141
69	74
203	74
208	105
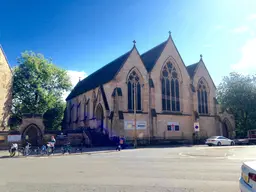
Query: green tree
38	85
237	94
53	117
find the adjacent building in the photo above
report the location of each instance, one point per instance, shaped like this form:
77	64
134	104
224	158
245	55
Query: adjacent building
156	88
5	90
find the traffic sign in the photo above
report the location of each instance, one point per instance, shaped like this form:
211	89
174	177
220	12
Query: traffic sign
196	126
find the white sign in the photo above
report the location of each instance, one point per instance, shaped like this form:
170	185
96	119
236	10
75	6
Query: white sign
173	126
196	126
129	125
14	138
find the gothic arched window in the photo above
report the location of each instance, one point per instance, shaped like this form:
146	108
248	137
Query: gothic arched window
202	97
170	88
134	91
85	108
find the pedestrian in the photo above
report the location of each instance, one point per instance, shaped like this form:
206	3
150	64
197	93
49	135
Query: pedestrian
118	147
53	141
121	142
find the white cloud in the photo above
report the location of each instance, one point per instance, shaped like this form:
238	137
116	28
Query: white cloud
240	29
252	17
247	63
74	77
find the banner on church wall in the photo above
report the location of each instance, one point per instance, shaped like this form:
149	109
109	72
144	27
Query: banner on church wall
173	126
196	126
140	125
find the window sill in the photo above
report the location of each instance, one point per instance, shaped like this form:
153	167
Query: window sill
137	112
132	111
172	112
205	115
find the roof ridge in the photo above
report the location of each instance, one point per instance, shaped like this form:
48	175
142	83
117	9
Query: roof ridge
105	65
192	64
106	73
154	47
151	56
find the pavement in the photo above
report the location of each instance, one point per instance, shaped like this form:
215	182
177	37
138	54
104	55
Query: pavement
172	169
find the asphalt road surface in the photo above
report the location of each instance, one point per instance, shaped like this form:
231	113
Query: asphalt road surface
180	169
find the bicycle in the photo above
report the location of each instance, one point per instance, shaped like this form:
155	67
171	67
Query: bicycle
66	148
13	149
27	150
50	148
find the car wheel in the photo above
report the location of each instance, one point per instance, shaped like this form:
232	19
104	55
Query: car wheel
209	145
232	143
219	144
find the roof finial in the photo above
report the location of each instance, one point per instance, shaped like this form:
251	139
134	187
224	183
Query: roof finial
201	57
170	33
134	42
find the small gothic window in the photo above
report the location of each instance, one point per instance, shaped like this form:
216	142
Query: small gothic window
115	102
88	109
170	88
202	97
99	96
134	91
77	112
94	100
85	108
70	113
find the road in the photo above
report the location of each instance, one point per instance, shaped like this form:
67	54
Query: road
179	169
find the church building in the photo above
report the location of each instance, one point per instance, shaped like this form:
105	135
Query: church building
153	94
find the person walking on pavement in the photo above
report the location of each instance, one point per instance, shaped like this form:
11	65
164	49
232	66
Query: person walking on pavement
118	147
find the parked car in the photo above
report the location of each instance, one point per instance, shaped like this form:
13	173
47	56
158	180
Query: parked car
247	180
242	141
218	141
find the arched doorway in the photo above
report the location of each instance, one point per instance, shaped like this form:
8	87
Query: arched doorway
32	134
226	128
99	117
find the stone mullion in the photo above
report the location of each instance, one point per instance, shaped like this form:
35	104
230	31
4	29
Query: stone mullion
165	95
175	99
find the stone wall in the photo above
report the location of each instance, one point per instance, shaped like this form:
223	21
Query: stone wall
5	90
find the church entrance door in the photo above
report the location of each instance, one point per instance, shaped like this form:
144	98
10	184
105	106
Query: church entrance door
226	128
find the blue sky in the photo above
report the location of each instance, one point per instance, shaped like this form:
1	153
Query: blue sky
83	35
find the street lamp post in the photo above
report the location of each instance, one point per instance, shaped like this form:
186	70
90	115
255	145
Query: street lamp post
134	108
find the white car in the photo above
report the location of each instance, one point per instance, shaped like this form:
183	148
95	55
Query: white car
219	140
248	177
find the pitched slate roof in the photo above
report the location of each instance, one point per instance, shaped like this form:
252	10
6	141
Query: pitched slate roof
192	69
108	72
150	57
99	77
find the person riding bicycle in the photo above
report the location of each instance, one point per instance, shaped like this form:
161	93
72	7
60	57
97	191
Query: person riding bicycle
52	143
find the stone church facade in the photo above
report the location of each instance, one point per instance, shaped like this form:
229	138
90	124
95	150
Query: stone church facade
5	90
168	97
